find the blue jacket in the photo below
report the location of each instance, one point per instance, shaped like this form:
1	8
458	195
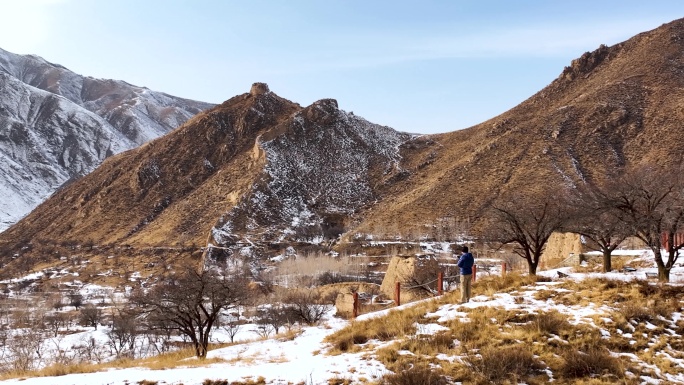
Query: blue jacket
466	263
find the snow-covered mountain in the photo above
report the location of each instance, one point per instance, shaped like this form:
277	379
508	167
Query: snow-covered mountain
56	125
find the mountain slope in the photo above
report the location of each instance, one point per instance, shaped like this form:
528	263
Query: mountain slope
45	140
56	125
612	107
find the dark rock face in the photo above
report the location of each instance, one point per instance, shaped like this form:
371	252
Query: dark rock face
56	126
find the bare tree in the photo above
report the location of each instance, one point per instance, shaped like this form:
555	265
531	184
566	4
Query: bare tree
191	303
88	350
123	334
232	326
272	318
527	221
57	322
75	299
651	203
90	315
306	305
599	222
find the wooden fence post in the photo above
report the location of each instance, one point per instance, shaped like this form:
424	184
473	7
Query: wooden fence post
503	269
355	312
474	272
440	283
397	291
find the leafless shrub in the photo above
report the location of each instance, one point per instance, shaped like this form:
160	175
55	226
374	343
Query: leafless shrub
25	350
513	262
424	275
232	327
57	322
635	312
58	355
88	350
273	317
551	323
57	303
329	277
264	330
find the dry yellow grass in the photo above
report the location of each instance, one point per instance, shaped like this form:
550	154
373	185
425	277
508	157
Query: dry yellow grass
175	359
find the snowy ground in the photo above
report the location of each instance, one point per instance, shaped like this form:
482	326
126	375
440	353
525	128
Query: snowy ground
302	360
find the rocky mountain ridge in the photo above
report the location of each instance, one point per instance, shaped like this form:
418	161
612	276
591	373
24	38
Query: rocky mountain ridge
56	126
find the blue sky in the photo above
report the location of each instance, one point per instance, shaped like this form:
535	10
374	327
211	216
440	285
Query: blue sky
417	66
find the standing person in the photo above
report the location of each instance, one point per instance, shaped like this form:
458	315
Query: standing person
465	263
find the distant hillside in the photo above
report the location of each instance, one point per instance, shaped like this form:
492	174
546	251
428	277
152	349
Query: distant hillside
56	125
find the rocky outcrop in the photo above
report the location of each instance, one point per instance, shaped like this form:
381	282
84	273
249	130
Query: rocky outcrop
583	65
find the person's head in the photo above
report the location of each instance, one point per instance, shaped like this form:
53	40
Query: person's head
465	249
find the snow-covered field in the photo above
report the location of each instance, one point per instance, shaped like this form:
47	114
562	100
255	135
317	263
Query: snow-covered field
303	359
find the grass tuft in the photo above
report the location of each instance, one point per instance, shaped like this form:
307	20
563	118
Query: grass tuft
550	323
497	364
420	374
595	361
